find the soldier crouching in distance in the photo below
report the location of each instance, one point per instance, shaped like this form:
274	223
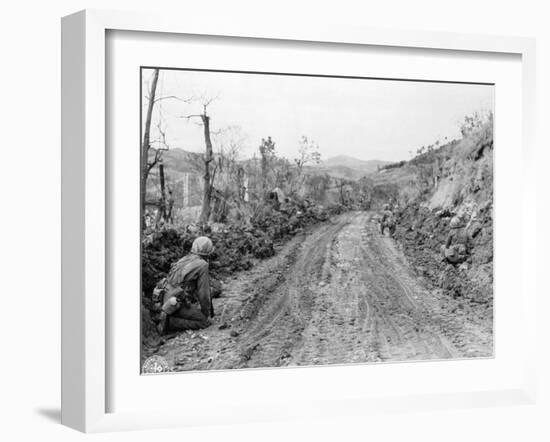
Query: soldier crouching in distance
455	249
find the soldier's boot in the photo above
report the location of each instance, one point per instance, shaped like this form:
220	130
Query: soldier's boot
188	318
188	324
163	322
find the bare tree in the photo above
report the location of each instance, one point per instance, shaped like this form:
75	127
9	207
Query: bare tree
308	152
209	175
152	148
241	188
146	145
162	212
231	174
207	180
169	207
267	152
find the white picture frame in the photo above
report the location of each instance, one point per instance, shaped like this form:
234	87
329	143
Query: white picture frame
85	349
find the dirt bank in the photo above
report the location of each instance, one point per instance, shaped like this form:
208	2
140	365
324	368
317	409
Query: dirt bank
453	183
337	293
422	232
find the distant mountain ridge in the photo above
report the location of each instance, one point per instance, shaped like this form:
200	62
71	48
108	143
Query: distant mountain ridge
179	161
345	166
352	162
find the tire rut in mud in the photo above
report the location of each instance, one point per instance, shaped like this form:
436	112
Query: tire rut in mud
276	332
339	293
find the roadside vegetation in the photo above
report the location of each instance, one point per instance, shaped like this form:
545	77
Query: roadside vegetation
247	206
256	206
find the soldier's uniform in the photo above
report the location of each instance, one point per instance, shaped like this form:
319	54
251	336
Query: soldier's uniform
455	249
387	220
187	284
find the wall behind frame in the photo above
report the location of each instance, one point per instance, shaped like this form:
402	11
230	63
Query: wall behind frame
31	217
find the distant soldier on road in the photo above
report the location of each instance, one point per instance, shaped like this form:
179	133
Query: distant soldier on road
187	284
387	220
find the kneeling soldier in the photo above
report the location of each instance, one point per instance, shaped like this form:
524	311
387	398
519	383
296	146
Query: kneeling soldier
187	282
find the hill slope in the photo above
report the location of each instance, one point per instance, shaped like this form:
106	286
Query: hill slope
179	161
353	163
455	181
344	166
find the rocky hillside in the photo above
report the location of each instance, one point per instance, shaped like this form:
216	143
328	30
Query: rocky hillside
454	182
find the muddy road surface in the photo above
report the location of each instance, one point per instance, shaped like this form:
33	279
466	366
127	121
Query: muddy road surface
339	293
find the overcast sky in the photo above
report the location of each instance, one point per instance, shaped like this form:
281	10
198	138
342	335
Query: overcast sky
362	118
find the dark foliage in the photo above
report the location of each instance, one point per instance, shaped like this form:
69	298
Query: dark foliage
236	245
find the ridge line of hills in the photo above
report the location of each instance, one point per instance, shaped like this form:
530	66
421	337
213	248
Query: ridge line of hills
179	161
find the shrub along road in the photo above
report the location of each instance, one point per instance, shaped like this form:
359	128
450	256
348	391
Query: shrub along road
338	293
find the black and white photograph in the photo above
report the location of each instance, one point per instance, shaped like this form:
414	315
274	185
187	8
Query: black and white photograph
275	221
293	220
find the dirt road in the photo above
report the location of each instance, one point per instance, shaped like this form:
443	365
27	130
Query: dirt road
339	293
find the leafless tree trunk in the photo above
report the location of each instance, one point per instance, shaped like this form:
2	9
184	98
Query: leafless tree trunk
264	173
208	157
267	150
162	191
170	206
240	184
146	145
208	177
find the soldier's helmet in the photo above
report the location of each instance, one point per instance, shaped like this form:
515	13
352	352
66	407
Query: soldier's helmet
455	222
202	246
